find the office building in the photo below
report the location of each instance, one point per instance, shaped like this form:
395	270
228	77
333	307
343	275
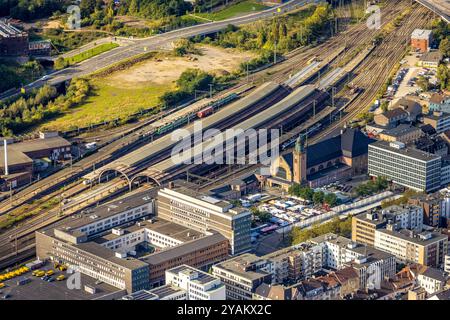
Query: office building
409	167
183	283
201	212
197	284
117	245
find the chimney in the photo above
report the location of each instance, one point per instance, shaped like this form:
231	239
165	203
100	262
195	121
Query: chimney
5	145
171	185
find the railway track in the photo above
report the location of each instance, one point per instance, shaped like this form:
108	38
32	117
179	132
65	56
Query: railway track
356	35
373	72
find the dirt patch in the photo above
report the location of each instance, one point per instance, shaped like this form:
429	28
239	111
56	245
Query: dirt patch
53	24
132	22
165	70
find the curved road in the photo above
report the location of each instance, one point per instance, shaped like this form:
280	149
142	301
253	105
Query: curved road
140	46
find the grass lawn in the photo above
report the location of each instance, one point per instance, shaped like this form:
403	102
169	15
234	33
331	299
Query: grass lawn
91	53
241	8
110	101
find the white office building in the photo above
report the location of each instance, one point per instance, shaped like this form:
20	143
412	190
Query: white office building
197	284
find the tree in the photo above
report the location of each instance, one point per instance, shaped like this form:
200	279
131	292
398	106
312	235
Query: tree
443	75
133	9
423	83
444	47
318	197
330	199
87	7
60	63
194	79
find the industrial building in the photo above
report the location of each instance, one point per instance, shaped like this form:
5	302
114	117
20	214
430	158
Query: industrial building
421	40
13	42
26	157
183	205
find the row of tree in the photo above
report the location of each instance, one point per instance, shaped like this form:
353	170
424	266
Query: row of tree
280	34
317	197
372	186
39	106
336	226
441	34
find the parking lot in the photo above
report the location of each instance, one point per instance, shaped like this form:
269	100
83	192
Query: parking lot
38	289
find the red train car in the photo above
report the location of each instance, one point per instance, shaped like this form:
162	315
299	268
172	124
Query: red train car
205	112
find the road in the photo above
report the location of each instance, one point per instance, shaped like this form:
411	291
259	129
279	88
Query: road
140	46
439	7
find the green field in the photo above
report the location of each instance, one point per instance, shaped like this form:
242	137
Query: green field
109	101
241	8
91	53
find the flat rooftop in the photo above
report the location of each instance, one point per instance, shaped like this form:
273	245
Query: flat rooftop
165	290
183	249
202	278
207	199
421	34
110	255
15	157
17	152
406	151
405	235
40	144
141	295
400	130
173	230
107	210
238	265
39	289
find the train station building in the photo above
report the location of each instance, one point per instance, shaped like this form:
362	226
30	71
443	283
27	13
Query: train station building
336	158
